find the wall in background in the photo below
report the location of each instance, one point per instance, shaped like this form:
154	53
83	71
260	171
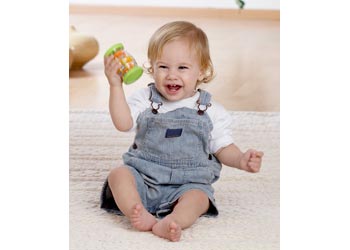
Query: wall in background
225	4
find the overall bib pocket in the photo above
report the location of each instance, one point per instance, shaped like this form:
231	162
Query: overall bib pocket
174	139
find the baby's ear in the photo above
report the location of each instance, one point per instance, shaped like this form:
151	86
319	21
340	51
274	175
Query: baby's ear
201	76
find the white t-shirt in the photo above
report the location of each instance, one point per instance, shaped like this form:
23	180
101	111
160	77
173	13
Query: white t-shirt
221	135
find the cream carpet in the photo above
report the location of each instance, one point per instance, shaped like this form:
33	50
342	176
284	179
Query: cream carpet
248	203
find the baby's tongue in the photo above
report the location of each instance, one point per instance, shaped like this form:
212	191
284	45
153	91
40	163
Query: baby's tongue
174	87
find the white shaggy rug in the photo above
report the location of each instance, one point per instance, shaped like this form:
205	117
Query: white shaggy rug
248	203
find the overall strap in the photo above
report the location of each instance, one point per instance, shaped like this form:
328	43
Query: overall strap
203	101
155	98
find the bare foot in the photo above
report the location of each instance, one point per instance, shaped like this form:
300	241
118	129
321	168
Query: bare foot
141	219
168	229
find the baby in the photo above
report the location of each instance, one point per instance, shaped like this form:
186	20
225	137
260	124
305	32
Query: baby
182	137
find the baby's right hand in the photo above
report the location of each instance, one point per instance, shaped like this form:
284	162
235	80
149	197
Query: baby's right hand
111	68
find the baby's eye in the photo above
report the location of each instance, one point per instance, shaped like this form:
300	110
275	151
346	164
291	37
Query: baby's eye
183	67
162	67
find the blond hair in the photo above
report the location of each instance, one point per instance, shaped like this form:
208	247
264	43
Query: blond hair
182	29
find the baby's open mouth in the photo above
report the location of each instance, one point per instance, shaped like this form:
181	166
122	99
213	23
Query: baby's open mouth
173	87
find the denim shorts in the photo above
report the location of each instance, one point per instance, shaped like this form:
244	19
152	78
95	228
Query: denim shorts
159	200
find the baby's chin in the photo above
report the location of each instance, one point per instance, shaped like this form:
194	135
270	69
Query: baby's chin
172	98
178	96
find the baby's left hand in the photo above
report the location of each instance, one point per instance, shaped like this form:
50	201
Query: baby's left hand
251	161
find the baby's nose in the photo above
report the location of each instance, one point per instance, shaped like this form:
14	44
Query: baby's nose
172	74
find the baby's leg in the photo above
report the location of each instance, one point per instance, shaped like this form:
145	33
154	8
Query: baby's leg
123	186
189	207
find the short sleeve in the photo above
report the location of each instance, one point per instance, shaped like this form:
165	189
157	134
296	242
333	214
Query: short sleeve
221	135
138	102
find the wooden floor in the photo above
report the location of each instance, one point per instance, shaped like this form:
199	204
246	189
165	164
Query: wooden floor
245	54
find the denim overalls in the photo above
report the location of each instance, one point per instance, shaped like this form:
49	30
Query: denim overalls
170	156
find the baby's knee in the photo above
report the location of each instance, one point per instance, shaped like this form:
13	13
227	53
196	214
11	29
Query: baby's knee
202	196
118	173
198	195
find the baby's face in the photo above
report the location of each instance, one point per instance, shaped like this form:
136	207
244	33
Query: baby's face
177	70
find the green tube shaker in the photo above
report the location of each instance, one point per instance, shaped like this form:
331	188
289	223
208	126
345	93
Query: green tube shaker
129	70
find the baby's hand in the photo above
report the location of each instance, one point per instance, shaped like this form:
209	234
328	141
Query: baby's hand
111	68
251	161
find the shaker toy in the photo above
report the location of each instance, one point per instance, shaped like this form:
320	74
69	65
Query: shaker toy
129	71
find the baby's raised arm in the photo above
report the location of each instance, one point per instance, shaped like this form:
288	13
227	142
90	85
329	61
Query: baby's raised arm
118	107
